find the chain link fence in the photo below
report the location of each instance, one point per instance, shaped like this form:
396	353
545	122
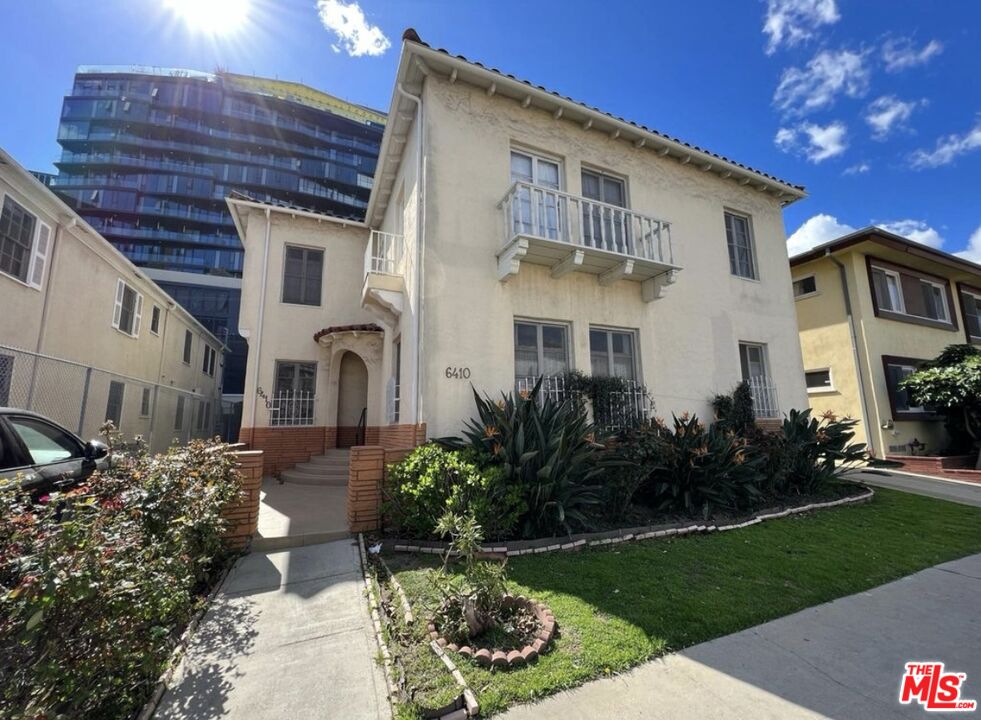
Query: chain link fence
81	398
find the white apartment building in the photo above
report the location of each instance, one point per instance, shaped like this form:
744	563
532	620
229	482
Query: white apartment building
85	336
511	233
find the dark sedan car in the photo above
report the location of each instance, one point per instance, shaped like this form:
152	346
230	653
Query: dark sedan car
43	455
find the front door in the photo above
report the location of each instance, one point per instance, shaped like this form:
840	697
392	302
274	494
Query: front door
352	400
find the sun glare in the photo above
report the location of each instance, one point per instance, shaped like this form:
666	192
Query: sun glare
214	17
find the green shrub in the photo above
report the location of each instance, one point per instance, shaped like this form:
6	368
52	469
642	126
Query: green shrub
809	453
696	470
736	409
432	481
545	449
606	393
97	583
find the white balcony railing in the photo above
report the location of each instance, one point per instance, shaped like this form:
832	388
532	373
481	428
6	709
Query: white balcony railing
291	409
765	403
383	254
541	212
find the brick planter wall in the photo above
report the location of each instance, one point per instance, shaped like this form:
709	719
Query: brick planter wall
243	516
364	484
953	467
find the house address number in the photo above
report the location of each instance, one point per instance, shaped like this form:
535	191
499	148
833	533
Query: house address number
458	373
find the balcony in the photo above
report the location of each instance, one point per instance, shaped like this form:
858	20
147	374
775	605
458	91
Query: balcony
569	233
383	291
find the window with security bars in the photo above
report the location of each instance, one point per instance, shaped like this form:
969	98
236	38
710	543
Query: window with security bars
742	254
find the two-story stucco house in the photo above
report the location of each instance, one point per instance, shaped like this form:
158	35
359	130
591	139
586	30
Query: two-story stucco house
511	233
872	307
86	336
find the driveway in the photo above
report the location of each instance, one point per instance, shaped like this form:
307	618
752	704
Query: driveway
289	636
839	660
952	490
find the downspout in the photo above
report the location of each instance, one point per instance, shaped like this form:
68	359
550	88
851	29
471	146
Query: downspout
262	314
47	283
420	230
853	337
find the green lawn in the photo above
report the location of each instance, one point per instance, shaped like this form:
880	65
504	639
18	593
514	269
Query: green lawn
618	607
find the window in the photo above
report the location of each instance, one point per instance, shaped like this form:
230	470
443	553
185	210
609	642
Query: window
208	360
752	360
818	381
200	422
536	212
934	300
742	258
540	349
188	346
805	286
145	403
612	352
295	393
127	311
6	378
155	320
179	415
114	404
888	290
603	227
302	273
972	316
16	239
45	442
896	370
397	382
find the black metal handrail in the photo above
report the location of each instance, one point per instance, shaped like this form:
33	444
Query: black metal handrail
362	424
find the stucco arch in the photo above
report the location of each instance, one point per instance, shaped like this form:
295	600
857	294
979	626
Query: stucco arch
366	344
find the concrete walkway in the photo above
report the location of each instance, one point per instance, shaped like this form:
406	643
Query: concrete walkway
293	515
840	660
952	490
289	636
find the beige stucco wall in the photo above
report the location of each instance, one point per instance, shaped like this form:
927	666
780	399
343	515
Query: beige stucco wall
69	318
688	339
825	343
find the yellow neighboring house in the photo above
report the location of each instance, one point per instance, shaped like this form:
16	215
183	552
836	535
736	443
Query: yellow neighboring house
871	307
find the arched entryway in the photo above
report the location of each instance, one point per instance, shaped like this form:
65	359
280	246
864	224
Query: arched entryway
352	399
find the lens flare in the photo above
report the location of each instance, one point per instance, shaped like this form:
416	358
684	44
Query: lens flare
211	17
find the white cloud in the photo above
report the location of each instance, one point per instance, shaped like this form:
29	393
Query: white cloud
857	169
789	22
899	53
354	34
973	250
814	231
948	148
889	113
817	85
817	142
915	230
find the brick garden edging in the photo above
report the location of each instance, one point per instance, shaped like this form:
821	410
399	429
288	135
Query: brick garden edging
611	537
498	658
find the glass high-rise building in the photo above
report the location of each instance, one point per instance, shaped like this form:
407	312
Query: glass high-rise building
150	154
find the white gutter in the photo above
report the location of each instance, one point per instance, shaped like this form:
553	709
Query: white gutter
262	314
420	230
853	338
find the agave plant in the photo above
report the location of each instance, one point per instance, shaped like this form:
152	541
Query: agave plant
545	447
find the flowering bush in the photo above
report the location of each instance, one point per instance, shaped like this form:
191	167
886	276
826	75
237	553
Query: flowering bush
97	583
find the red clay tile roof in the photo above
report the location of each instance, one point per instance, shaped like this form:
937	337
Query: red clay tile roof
412	36
369	327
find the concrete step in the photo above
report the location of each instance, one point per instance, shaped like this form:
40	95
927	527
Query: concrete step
331	460
312	469
301	478
267	544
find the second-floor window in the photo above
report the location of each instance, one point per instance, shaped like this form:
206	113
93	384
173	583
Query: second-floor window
536	211
742	254
188	346
208	362
302	273
906	293
805	286
155	320
540	349
972	314
24	243
127	310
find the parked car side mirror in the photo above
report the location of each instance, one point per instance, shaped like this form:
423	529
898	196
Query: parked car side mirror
95	450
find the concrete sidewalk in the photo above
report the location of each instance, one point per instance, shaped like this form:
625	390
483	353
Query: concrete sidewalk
940	488
289	636
839	660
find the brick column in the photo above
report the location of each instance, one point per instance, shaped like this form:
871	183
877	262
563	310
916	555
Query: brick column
243	516
364	487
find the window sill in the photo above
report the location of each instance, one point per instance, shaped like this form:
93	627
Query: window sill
806	296
822	391
20	282
916	320
301	305
123	332
743	277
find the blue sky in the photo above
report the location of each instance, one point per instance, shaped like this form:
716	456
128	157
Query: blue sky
874	105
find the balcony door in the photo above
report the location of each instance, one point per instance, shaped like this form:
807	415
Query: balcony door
605	227
536	210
